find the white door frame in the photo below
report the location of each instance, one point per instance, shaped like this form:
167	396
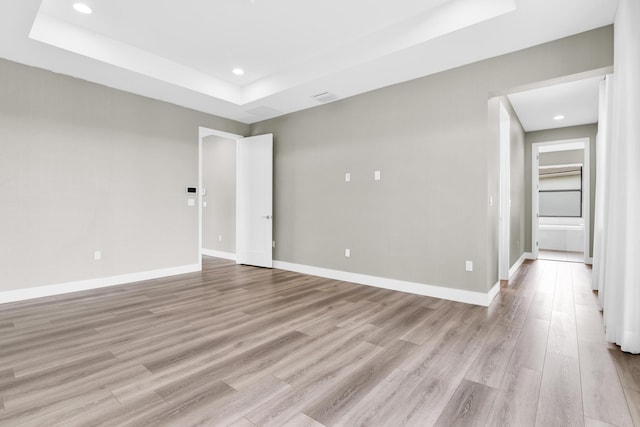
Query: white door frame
586	191
203	132
504	205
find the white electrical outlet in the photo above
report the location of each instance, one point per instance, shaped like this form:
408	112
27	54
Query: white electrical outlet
220	238
469	266
97	255
347	253
347	177
376	176
191	202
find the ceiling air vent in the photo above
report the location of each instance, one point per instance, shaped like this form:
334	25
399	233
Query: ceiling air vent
325	97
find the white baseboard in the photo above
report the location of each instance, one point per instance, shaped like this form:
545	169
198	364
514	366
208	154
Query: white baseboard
518	263
83	285
219	254
469	297
493	292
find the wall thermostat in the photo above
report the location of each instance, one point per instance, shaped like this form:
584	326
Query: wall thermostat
191	190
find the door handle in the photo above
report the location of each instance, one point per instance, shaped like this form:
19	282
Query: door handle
267	217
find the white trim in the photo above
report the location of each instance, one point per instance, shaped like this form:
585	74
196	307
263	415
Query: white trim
566	146
535	198
102	282
237	204
219	254
504	201
575	143
469	297
203	132
493	292
588	260
518	263
586	199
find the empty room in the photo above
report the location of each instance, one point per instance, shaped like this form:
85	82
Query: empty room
320	213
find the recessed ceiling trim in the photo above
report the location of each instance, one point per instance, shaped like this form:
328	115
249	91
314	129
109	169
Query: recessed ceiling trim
444	17
55	32
448	17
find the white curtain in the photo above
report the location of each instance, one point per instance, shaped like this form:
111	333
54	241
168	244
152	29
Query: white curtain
617	229
602	179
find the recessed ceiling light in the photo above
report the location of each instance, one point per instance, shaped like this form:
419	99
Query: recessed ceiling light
238	71
558	117
82	8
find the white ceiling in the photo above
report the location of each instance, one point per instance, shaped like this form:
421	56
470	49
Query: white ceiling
577	101
183	52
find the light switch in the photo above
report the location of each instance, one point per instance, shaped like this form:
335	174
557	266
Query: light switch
204	204
191	202
347	177
469	266
97	255
376	176
347	253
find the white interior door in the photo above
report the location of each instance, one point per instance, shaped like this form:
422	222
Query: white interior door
254	199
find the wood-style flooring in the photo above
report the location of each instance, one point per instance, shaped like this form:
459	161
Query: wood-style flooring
244	346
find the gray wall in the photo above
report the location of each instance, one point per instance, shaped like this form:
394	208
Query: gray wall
438	157
518	204
586	131
219	179
566	157
84	167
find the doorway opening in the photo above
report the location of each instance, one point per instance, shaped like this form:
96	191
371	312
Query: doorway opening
560	200
217	235
235	181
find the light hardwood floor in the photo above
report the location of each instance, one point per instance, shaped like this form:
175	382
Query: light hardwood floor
247	346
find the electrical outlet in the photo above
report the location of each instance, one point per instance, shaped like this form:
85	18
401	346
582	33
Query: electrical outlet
347	253
469	266
347	177
97	255
376	176
219	237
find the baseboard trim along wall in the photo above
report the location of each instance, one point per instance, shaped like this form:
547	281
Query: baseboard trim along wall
469	297
84	285
518	263
219	254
